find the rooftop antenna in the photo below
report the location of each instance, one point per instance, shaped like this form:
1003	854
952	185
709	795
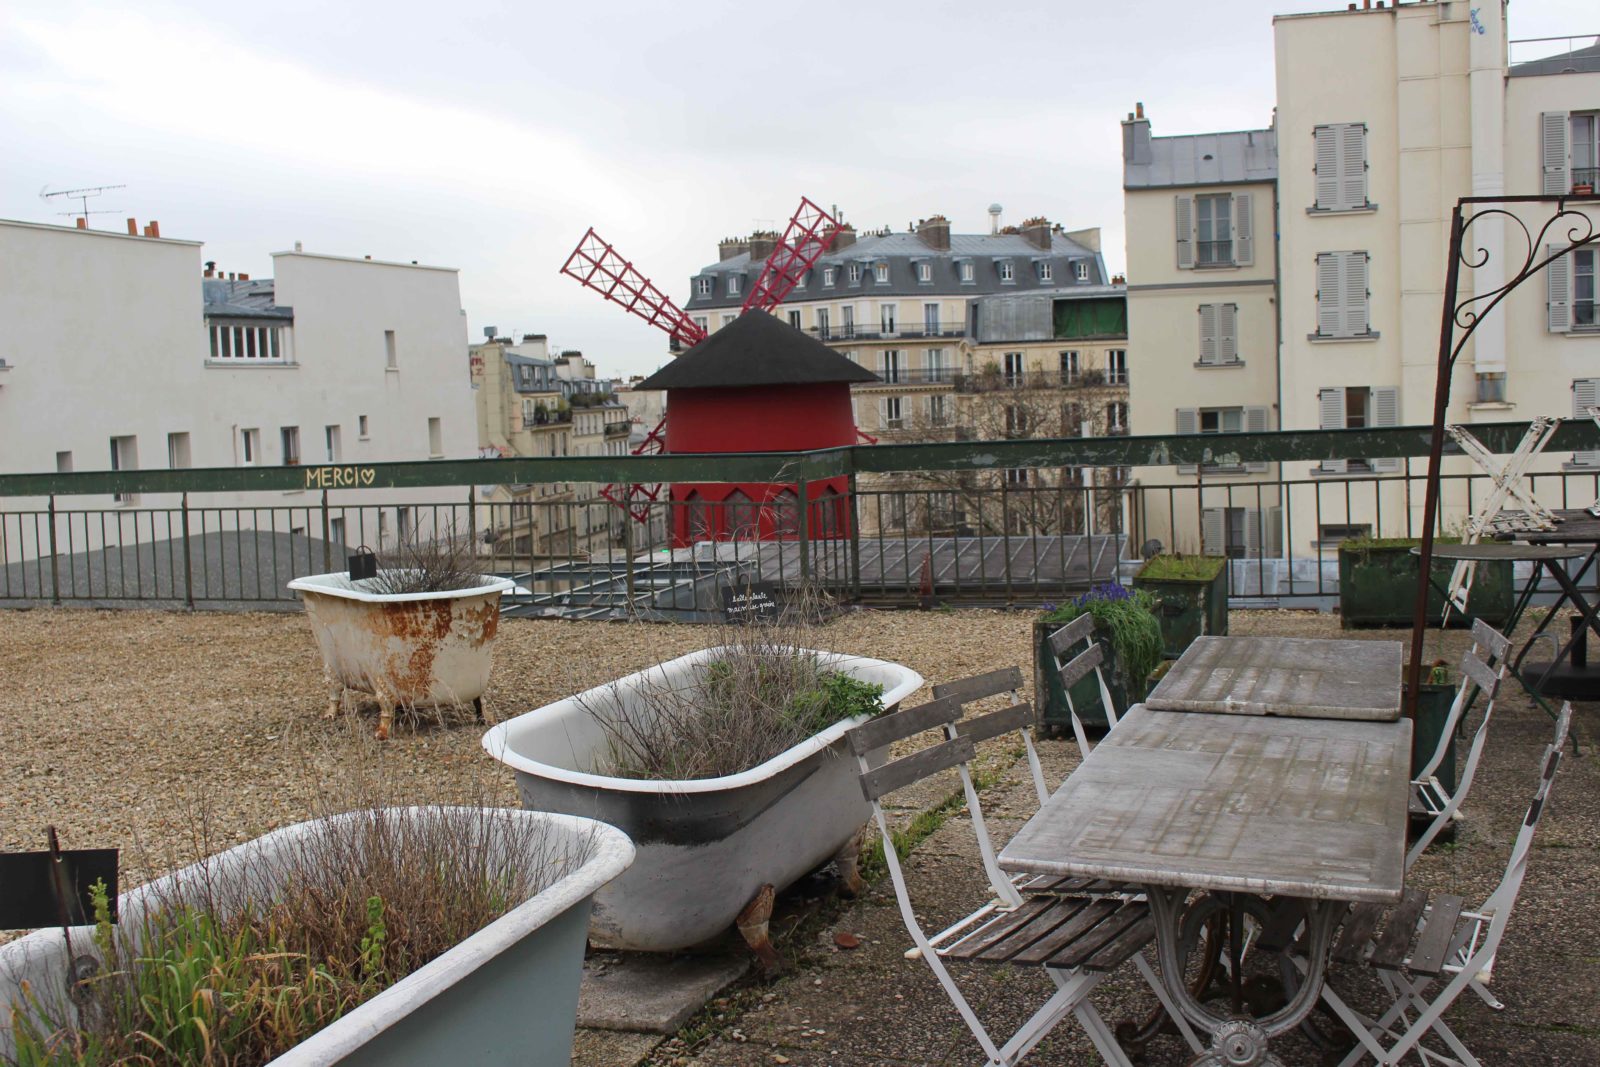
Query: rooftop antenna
83	196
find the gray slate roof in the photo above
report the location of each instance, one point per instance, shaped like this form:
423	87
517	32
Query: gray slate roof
903	252
251	299
1577	61
1206	159
756	349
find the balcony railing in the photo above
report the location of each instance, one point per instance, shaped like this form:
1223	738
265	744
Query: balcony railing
913	376
903	332
1214	253
545	418
619	429
1076	516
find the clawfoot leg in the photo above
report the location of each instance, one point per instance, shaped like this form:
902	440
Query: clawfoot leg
752	923
847	859
335	697
385	716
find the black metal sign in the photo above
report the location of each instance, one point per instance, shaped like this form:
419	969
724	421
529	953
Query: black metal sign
750	602
40	889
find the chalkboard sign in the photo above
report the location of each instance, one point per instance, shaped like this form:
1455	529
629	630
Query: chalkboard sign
750	602
32	884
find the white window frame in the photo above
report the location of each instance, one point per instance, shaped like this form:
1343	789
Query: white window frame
1116	366
436	437
289	439
248	344
880	273
333	447
968	273
1081	270
1117	416
1047	273
891	413
938	410
125	457
1014	366
250	447
1008	271
703	286
889	318
735	282
795	318
891	366
854	273
924	272
828	276
1071	366
179	456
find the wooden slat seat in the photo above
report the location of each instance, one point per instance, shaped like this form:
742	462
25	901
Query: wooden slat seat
1093	933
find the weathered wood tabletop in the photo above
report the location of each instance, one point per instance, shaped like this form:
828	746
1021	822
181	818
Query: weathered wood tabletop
1292	676
1309	807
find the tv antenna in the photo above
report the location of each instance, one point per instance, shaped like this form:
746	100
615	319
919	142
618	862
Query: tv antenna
83	196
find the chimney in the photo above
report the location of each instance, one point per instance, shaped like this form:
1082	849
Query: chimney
1037	232
843	237
211	269
1136	138
83	223
1089	238
935	232
762	245
133	227
244	277
153	229
729	247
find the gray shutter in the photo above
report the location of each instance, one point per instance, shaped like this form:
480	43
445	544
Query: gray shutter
1330	305
1585	395
1208	333
1275	533
1213	532
1252	533
1330	407
1327	168
1553	152
1386	412
1184	212
1188	423
1244	245
1558	290
1356	321
1255	421
1352	165
1227	338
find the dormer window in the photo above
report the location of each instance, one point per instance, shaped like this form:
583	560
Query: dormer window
702	286
1008	273
967	272
1046	272
855	273
805	276
733	284
1082	269
924	272
880	273
828	275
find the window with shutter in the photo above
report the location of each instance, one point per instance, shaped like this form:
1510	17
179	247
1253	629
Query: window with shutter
1330	408
1330	305
1255	421
1353	166
1328	145
1227	337
1553	153
1213	531
1243	231
1354	296
1585	395
1188	422
1385	412
1208	333
1342	296
1558	291
1184	213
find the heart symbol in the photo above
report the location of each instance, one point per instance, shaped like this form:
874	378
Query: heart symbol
367	475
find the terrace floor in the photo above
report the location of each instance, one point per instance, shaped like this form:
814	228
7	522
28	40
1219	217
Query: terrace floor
136	729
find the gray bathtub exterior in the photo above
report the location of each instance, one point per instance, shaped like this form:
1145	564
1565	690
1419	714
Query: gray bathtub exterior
704	847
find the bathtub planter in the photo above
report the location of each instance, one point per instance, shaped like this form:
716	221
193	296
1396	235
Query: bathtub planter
403	649
706	847
506	995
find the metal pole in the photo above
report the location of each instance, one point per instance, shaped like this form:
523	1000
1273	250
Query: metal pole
1430	504
55	571
327	547
805	532
472	517
855	540
188	571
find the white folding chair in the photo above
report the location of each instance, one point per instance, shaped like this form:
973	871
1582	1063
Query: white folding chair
1429	798
1073	670
1077	940
1425	942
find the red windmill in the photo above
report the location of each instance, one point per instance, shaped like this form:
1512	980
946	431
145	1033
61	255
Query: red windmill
597	264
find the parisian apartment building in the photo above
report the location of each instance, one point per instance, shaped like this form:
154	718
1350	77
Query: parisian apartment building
130	351
1385	116
1015	333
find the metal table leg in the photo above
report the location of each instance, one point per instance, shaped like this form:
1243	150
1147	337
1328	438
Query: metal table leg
1238	1041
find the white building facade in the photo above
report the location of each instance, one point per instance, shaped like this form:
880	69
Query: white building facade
121	353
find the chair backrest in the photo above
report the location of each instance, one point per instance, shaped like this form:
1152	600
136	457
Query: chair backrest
1500	902
1072	671
1477	675
1018	716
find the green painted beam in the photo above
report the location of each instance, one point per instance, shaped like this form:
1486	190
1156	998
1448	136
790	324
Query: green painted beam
1284	446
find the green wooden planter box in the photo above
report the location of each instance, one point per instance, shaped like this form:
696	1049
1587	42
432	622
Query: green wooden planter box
1378	587
1054	715
1188	607
1433	709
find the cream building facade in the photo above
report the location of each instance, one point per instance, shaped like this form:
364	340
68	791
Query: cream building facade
1384	117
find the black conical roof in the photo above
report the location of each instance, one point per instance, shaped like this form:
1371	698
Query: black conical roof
756	349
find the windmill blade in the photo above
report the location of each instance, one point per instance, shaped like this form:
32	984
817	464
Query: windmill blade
628	499
809	234
598	265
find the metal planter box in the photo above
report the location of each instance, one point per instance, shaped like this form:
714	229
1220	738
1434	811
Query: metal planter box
1188	608
404	649
706	846
1378	587
1054	715
1433	708
506	995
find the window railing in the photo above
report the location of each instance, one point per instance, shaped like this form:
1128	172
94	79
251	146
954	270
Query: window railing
1214	253
1585	177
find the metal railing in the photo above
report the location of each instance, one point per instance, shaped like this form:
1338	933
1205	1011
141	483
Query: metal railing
908	331
1018	522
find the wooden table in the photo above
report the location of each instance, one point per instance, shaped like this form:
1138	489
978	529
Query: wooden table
1284	676
1236	804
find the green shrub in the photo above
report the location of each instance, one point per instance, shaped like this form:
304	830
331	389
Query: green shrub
1126	617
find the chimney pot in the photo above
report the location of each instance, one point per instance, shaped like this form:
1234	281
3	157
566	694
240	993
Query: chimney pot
1138	109
83	224
133	227
155	228
244	277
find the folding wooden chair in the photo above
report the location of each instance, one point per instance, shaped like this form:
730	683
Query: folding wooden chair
1077	940
1426	942
1072	670
1429	798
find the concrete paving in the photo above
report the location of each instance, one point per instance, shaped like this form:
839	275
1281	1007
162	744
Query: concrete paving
868	1005
652	994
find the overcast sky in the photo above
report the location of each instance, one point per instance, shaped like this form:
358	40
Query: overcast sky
489	137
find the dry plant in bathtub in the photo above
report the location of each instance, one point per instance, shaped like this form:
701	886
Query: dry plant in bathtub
235	971
762	693
438	565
